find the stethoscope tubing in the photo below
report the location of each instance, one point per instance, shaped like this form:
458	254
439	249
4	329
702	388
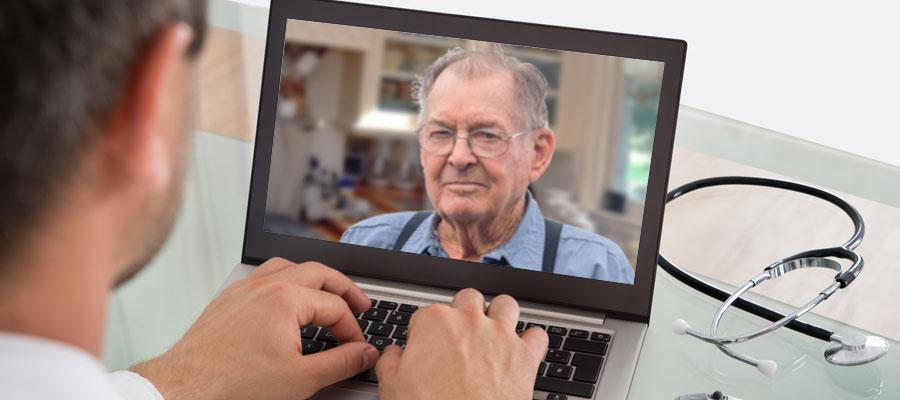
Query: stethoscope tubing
843	278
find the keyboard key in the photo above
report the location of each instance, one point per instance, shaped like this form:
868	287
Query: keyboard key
587	367
556	330
559	371
401	333
585	346
555	385
558	356
530	324
408	308
380	342
380	329
556	396
330	345
401	343
542	368
578	334
375	314
363	324
308	331
555	341
603	337
399	318
387	305
520	326
311	346
325	336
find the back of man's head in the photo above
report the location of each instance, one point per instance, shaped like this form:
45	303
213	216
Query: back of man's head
65	66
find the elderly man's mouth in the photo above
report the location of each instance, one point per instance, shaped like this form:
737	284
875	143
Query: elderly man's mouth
464	185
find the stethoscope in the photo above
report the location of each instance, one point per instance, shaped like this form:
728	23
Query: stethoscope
852	349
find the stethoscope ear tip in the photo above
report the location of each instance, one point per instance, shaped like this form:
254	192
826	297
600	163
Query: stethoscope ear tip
767	368
680	326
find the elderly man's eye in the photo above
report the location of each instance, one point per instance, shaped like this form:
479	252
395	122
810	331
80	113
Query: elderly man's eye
487	136
439	134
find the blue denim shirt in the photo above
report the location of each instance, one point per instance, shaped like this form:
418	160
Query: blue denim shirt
580	253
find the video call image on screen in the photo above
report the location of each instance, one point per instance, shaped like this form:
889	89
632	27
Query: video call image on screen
457	148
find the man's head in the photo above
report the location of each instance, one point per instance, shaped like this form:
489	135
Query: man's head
498	103
95	113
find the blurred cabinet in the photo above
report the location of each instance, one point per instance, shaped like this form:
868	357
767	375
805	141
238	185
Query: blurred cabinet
399	57
406	55
381	90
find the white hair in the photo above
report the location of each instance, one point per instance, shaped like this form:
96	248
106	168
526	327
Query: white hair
530	84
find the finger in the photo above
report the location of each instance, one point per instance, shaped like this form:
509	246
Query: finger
536	339
317	276
504	309
269	267
338	364
326	309
388	363
468	299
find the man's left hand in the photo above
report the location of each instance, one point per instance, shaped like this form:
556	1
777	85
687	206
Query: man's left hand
246	344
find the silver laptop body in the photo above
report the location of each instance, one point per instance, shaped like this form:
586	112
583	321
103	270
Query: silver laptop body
312	32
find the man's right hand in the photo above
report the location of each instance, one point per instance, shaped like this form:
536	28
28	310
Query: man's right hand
246	344
462	352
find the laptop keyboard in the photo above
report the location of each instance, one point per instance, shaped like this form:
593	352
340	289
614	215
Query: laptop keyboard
571	367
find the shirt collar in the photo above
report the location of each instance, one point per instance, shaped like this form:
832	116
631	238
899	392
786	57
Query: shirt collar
519	251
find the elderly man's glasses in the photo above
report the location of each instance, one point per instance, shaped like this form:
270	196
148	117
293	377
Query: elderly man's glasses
484	142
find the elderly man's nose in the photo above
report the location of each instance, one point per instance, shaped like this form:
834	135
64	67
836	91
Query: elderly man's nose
461	154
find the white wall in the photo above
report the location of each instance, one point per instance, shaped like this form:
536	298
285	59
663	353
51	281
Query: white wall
822	71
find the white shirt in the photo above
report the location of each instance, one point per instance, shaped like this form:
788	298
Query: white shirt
33	368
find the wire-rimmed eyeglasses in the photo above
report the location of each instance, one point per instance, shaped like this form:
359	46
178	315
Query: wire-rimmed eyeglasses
483	142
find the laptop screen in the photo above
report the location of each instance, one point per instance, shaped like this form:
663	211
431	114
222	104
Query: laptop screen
510	156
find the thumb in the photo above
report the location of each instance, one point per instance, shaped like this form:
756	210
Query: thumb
388	362
340	363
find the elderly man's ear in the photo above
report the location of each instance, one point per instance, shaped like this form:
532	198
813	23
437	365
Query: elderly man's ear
544	144
142	129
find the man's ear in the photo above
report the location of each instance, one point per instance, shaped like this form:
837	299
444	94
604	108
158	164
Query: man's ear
544	145
136	141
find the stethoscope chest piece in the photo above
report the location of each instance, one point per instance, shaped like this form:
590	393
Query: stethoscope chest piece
856	349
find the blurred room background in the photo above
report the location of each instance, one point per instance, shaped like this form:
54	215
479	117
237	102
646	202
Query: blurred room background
345	146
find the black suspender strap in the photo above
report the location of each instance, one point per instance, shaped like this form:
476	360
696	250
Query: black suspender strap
410	227
552	232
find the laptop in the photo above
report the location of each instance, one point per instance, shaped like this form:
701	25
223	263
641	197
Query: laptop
562	135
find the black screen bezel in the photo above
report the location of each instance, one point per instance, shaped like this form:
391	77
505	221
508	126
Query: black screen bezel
617	300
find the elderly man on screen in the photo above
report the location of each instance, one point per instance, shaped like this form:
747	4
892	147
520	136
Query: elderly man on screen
484	137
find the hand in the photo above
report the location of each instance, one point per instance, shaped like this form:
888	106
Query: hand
461	352
246	344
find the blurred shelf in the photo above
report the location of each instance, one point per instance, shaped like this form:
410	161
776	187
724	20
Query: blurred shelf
398	75
424	40
380	123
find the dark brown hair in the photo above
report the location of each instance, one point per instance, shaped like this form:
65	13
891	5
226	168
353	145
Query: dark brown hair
64	66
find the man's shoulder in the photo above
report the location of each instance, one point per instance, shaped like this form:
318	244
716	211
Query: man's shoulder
590	255
378	231
389	220
577	236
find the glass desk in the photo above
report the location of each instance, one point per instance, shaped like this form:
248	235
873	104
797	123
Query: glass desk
672	365
150	313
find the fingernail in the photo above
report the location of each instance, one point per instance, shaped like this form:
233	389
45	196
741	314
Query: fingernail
370	356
